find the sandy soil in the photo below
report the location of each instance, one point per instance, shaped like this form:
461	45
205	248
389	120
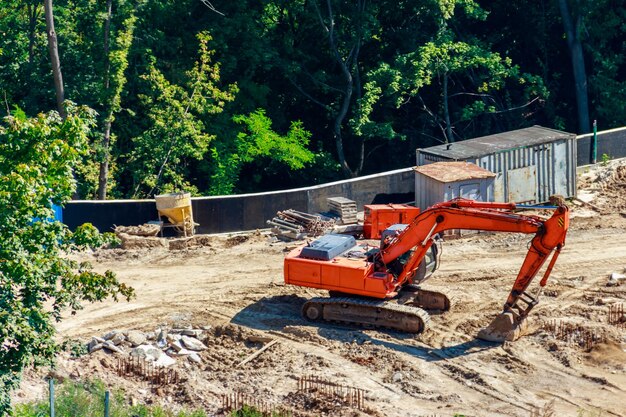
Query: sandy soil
235	285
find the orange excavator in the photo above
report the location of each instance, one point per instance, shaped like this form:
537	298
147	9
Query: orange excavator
383	286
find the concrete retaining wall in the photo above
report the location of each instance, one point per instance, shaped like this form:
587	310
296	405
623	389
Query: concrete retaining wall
610	142
248	211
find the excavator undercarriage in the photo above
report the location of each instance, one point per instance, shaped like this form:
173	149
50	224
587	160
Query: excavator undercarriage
367	313
383	287
407	312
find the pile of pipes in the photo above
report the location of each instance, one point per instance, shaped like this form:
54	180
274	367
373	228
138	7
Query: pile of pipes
295	225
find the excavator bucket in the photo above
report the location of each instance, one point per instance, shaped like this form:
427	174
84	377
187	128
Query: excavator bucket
506	326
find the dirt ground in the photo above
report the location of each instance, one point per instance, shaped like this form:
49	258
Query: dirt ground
235	285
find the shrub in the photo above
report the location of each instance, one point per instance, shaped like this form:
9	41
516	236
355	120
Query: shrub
86	399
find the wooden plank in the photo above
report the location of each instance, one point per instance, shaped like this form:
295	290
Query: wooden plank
257	353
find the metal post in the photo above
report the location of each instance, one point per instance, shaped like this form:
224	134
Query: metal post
106	403
594	147
51	392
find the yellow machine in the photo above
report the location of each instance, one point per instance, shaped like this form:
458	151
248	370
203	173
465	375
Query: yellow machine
177	208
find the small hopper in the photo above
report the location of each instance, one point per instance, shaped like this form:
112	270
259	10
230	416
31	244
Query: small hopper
177	208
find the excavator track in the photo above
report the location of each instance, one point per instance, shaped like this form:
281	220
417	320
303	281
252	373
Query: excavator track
367	313
425	297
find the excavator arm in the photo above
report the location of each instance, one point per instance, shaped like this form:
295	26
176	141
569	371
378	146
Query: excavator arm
467	214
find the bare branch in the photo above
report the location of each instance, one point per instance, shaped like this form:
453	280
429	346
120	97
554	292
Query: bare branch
6	102
307	95
319	15
318	82
432	137
434	117
471	94
516	108
373	150
208	4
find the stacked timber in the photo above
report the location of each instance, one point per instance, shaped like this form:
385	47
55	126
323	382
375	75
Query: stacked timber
344	208
295	225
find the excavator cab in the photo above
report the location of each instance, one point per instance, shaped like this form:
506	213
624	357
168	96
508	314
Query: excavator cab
424	270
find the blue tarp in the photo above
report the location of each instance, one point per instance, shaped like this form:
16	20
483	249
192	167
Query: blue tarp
58	213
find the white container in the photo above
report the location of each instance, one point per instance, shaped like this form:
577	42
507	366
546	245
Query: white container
530	164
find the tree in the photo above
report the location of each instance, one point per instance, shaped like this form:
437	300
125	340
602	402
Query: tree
116	62
37	282
572	18
178	132
54	57
346	57
455	82
258	142
607	50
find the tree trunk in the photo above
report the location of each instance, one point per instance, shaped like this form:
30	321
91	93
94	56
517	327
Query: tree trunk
343	110
106	138
446	111
104	165
33	15
54	57
574	44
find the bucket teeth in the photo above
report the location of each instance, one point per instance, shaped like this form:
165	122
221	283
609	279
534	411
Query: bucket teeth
505	327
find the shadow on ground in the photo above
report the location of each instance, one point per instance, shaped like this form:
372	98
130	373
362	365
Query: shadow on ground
277	312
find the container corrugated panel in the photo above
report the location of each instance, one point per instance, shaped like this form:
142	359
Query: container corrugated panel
529	174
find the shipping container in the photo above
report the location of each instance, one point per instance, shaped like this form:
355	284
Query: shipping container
530	164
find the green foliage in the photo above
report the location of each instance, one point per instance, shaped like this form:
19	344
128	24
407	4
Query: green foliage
118	57
605	159
86	399
256	141
471	80
87	236
504	65
248	411
76	348
179	115
36	282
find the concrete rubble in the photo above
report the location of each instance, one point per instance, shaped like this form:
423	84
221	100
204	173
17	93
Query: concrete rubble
616	279
162	347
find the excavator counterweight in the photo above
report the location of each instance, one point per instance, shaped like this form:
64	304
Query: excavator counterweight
382	285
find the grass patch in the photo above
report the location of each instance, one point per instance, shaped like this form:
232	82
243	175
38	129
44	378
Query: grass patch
86	399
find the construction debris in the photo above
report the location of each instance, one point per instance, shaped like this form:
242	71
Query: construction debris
147	229
349	229
344	208
353	397
239	400
573	333
141	242
258	352
615	279
295	225
616	316
587	204
161	348
146	370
